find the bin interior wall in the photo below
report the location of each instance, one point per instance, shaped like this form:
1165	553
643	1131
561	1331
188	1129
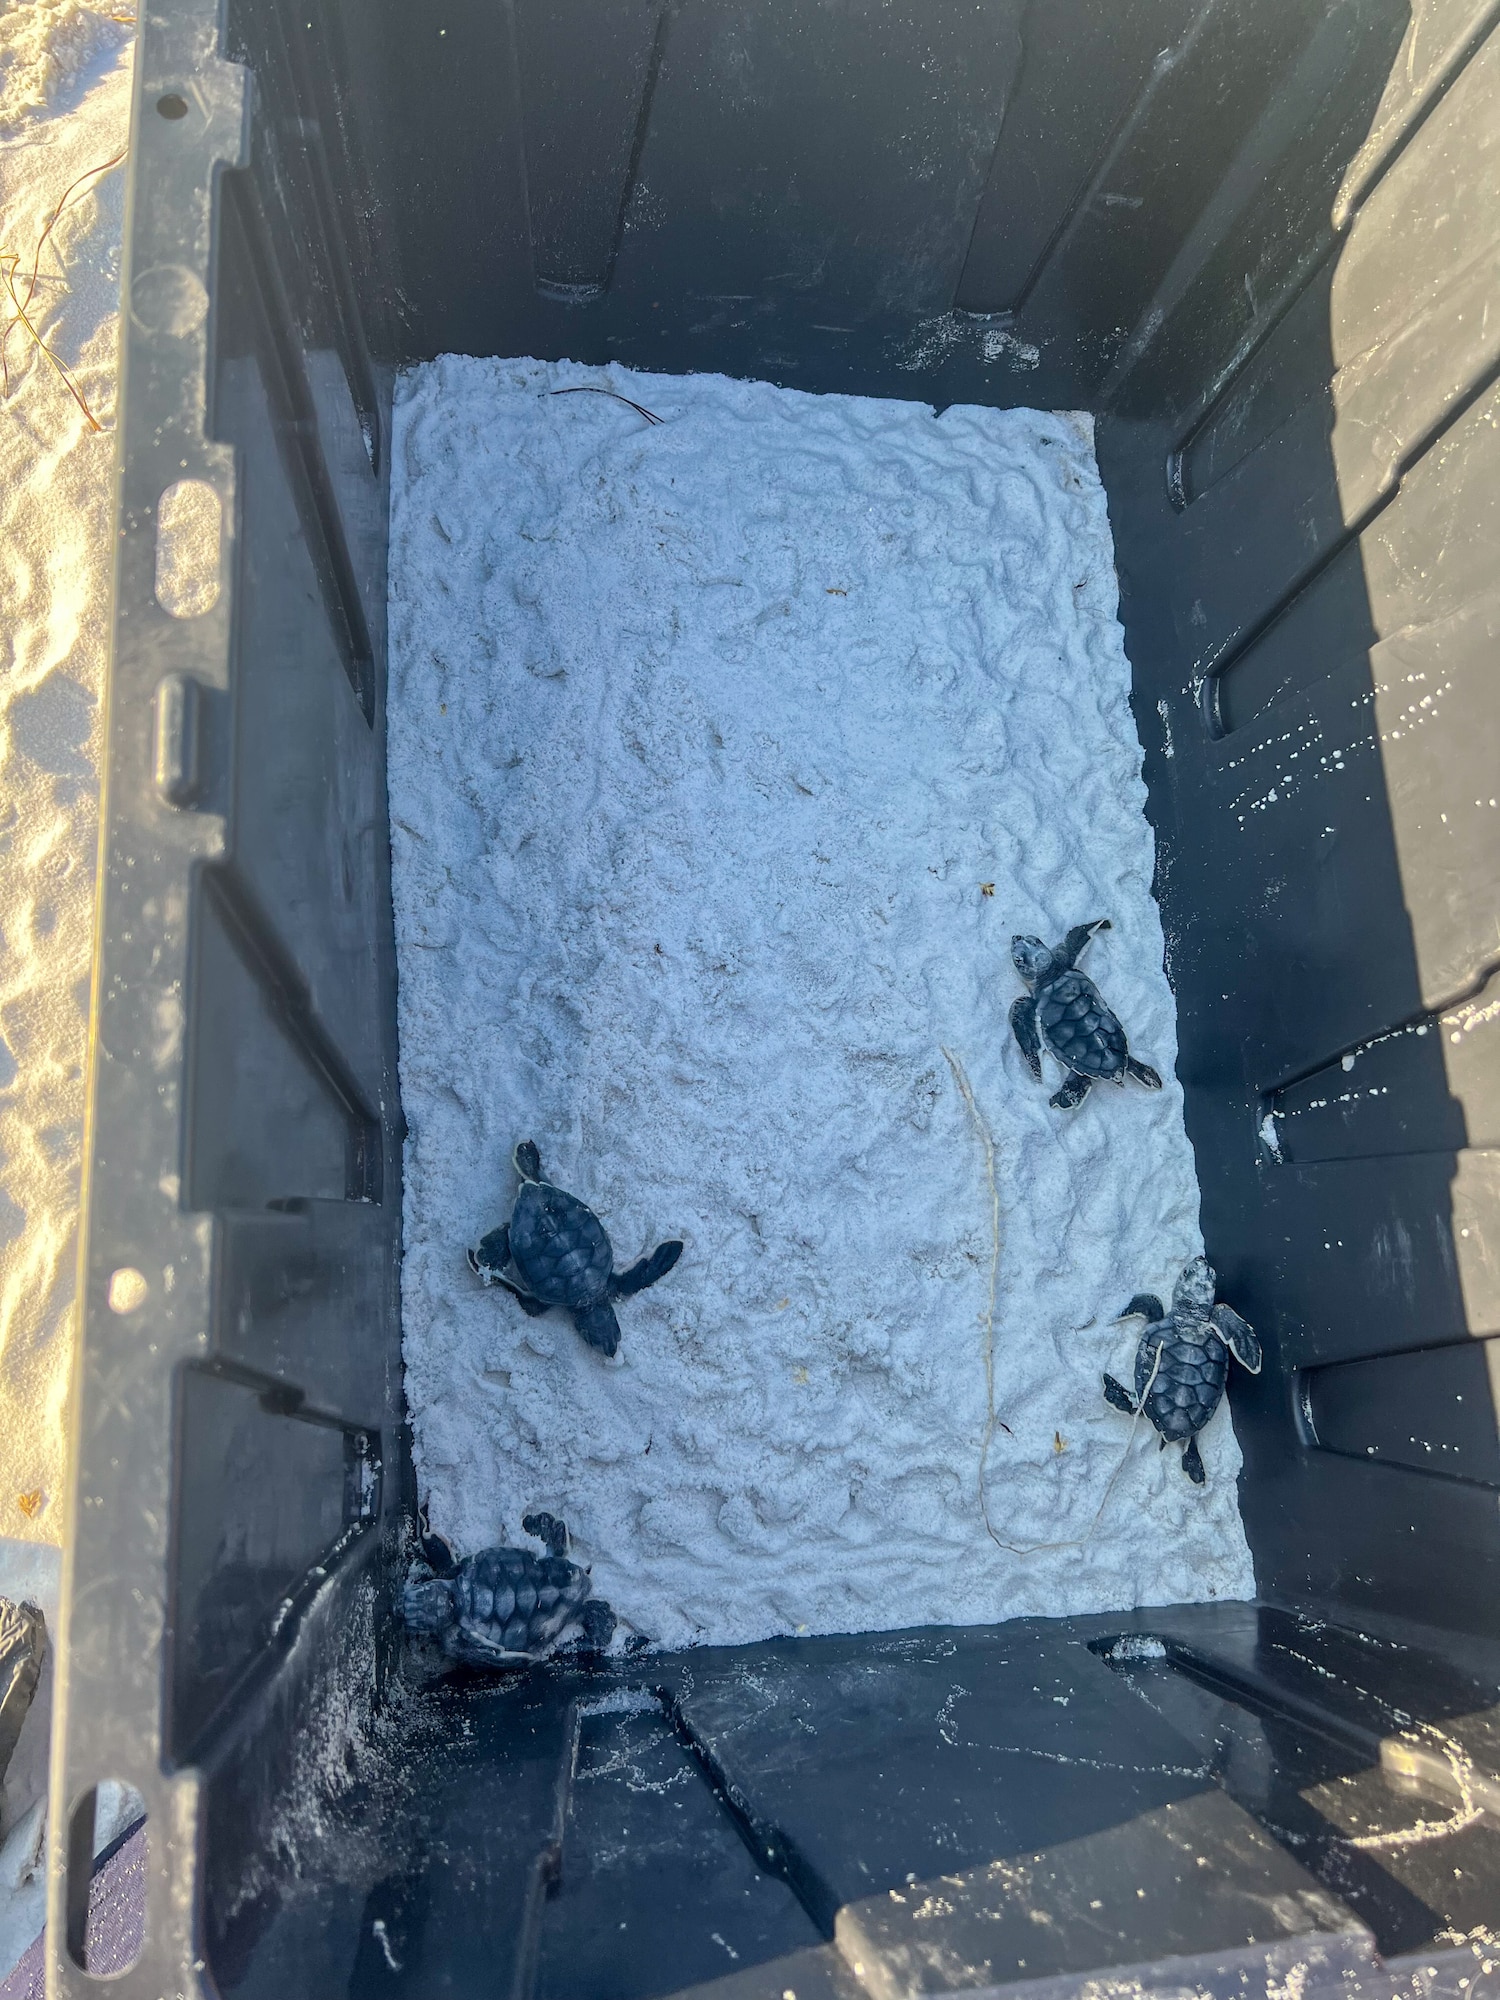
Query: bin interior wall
1255	242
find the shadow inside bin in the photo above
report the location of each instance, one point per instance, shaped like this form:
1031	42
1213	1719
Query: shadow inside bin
1298	452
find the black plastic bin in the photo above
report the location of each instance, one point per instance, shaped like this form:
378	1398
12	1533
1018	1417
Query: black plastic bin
1261	240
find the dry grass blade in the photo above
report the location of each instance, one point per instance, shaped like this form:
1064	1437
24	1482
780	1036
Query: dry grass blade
22	307
61	371
68	193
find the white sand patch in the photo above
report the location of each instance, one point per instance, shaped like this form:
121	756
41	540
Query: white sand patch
64	111
706	738
64	102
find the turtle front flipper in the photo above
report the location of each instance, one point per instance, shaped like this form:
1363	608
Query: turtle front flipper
437	1551
1023	1027
625	1284
490	1259
548	1530
1068	951
1072	1092
1145	1305
598	1325
1192	1464
1237	1337
1117	1394
1143	1073
492	1256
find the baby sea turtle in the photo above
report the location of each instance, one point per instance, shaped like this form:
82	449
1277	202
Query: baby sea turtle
554	1252
1183	1360
1064	1013
502	1606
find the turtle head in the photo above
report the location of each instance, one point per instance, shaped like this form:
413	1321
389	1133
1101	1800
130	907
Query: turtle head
427	1604
1033	960
1196	1288
527	1161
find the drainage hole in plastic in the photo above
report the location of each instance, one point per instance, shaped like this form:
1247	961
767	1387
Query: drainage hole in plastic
106	1900
188	523
172	106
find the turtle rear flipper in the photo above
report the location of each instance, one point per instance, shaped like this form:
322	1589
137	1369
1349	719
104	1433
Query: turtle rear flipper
1143	1073
1072	1092
625	1284
1192	1464
1145	1305
599	1326
1117	1394
533	1308
1237	1337
1023	1027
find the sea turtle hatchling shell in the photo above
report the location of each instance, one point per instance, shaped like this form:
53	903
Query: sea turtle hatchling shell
555	1251
560	1244
1188	1384
1080	1029
1182	1360
1063	1014
503	1606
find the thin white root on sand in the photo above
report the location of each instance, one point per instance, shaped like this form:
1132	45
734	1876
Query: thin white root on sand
981	1126
960	1077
